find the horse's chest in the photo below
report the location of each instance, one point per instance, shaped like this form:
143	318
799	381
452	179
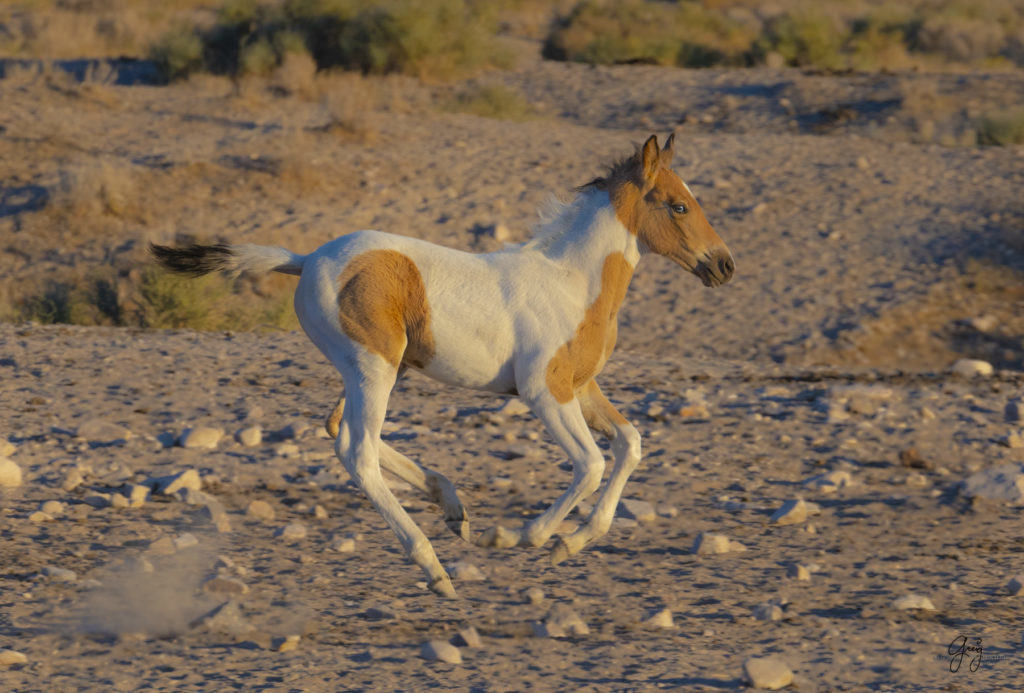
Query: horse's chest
585	353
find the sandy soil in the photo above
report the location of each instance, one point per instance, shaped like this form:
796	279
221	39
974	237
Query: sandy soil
867	264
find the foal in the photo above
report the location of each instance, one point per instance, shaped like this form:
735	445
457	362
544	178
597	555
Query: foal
537	320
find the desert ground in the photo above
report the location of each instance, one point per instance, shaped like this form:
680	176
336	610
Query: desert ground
876	246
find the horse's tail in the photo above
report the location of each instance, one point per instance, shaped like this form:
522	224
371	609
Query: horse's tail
232	260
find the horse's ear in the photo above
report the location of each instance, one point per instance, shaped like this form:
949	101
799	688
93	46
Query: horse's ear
666	151
649	161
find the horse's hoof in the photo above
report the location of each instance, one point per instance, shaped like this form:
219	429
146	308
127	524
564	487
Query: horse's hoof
498	537
460	527
560	551
442	587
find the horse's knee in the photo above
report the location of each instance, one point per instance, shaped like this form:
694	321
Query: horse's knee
589	472
627	444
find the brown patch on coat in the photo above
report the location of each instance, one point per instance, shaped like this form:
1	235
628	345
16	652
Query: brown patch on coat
583	356
598	412
382	305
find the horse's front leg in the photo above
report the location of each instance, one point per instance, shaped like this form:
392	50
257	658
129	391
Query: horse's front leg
602	417
568	427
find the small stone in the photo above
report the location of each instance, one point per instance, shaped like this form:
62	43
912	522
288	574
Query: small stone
468	637
138	494
343	544
1004	483
912	458
319	512
514	407
711	543
287	450
694	411
1013	440
52	507
767	673
119	501
10	658
169	485
862	163
1013	412
564	619
7	448
792	512
767	611
200	437
293	531
185	541
97	500
440	651
798	571
164	546
830	482
381	612
547	630
225	585
984	323
635	509
59	574
465	571
1016	584
102	432
654	411
10	473
972	368
293	430
289	643
225	618
534	595
38	516
659	619
260	510
913	601
72	480
250	437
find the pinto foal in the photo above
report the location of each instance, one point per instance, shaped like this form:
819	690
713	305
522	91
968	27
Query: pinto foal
537	320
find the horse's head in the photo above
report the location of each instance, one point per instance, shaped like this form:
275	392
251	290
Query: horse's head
655	204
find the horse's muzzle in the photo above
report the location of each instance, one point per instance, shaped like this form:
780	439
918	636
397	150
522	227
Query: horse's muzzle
715	268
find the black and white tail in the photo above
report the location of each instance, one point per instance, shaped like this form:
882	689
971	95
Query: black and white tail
232	260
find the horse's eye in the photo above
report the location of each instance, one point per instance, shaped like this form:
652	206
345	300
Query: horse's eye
679	208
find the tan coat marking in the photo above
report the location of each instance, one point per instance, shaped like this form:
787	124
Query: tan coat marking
382	305
598	411
582	357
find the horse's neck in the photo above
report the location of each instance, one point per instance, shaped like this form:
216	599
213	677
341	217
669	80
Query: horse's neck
585	239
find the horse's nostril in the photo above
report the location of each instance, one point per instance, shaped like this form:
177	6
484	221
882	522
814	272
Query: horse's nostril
726	266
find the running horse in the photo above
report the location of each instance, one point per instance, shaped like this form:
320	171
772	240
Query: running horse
537	320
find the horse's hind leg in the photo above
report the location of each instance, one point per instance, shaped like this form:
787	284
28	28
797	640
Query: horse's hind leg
602	417
358	445
434	485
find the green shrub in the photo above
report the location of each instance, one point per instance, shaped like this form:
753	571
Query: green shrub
492	101
1002	128
804	38
178	53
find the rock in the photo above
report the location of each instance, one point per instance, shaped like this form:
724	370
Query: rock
138	494
319	512
984	323
293	430
119	501
514	407
913	601
830	482
164	546
534	595
1014	411
798	571
639	510
562	619
7	448
293	531
52	507
226	618
343	544
10	658
767	673
654	411
260	510
1004	483
1013	440
10	473
225	585
1016	584
250	437
59	574
711	543
97	500
200	437
768	611
547	630
465	571
694	411
103	432
288	643
185	541
440	651
792	512
972	368
468	637
38	516
72	480
659	619
910	457
287	450
169	485
381	612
